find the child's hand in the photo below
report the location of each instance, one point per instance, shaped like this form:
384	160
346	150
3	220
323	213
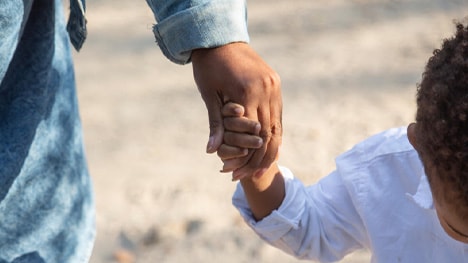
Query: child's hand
263	190
241	134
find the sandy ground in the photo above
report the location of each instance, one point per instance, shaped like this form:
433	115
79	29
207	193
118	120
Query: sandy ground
349	69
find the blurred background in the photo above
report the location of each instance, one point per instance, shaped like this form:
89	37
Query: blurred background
349	69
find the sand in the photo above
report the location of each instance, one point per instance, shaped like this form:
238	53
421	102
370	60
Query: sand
349	69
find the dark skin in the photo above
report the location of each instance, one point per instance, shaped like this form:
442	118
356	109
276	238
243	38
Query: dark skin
265	190
455	227
236	73
265	193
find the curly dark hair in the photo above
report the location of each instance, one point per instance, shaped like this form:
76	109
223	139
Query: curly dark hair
442	115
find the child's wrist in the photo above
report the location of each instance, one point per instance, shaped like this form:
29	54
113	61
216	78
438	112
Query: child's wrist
262	179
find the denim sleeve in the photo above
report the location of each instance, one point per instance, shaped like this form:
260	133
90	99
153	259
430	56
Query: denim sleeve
185	25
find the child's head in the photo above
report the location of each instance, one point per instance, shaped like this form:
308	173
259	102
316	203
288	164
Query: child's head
441	131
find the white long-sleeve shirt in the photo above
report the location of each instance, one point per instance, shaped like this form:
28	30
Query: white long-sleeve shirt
378	198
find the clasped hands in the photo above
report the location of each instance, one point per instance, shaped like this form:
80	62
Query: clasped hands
243	98
241	139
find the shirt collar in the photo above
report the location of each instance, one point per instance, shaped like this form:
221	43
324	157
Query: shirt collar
423	195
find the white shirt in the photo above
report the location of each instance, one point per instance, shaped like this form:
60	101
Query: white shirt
378	198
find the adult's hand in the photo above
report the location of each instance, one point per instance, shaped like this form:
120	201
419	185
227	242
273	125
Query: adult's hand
236	73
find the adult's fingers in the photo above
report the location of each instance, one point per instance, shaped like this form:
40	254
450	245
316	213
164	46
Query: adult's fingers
235	72
265	133
275	135
269	114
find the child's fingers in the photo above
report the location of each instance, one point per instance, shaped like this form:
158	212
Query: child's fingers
241	124
242	140
240	135
231	165
232	109
238	174
228	152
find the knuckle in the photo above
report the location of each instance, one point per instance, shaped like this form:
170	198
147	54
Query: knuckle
276	79
277	128
271	80
266	135
269	83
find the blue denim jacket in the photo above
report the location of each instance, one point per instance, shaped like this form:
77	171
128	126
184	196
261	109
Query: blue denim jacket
46	200
191	24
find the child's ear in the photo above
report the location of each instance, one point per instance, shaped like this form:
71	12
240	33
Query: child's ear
412	135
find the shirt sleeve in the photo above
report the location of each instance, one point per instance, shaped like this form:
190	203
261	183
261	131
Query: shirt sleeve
184	25
318	222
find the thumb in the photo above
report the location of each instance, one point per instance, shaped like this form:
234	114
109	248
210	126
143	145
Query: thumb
216	125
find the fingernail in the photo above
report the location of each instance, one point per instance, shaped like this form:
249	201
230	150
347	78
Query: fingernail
258	127
235	178
238	111
260	142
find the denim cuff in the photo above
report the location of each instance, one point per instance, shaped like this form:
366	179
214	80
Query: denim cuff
208	25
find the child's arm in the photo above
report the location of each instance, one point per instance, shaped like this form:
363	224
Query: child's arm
265	190
319	222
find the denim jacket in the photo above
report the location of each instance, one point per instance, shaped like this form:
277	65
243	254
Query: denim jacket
187	25
46	199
